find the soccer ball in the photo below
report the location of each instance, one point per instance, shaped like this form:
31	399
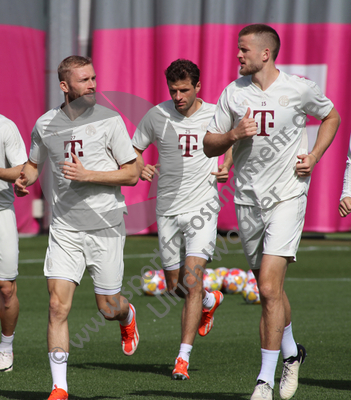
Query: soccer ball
250	276
251	293
211	281
221	273
154	283
234	281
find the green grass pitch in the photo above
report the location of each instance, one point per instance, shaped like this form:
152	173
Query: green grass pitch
223	365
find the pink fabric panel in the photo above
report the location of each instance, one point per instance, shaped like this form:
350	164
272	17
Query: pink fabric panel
133	61
22	69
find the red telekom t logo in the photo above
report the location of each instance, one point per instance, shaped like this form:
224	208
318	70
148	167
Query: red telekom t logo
187	144
73	147
263	121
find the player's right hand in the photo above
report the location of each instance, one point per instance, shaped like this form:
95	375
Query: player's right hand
149	171
247	127
20	185
345	206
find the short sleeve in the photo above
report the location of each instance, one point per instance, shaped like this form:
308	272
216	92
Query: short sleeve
145	133
222	120
38	151
15	150
121	145
314	102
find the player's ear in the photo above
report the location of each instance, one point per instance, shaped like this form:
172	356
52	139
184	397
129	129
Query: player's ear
266	54
197	87
64	86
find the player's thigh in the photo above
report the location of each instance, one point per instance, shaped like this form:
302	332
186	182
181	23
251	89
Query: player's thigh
284	228
65	255
171	241
8	244
103	251
251	232
200	234
61	293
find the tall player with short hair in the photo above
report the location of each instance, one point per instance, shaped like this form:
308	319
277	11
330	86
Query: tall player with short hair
91	157
12	157
262	117
186	209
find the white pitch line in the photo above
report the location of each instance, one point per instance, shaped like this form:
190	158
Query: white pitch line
319	279
240	251
126	278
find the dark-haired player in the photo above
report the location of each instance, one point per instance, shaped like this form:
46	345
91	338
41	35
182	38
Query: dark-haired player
187	209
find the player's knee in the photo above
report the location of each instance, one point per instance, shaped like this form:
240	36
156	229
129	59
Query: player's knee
193	287
269	292
58	309
8	294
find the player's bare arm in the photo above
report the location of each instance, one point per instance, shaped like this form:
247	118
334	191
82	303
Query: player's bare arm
326	134
127	175
147	171
10	174
217	144
345	207
223	169
27	177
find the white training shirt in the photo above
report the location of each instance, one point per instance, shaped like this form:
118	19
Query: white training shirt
265	164
12	153
185	183
100	140
346	189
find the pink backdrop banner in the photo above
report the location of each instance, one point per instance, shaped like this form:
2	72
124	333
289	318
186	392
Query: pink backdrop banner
132	61
22	69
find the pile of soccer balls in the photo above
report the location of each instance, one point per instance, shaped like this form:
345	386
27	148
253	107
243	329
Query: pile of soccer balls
154	283
230	281
235	281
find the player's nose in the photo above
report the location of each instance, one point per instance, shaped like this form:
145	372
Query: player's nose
178	95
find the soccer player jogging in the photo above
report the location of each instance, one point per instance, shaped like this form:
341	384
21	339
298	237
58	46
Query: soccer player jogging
90	156
345	199
12	157
262	117
186	185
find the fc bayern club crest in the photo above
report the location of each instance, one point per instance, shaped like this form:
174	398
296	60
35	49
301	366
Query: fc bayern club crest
90	130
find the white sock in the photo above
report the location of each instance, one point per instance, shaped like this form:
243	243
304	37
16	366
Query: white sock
288	345
129	318
209	300
269	364
184	352
6	343
59	371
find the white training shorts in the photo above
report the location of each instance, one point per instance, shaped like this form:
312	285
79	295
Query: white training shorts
186	234
276	231
8	244
100	251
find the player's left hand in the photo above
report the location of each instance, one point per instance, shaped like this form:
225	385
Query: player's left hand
222	174
74	170
345	206
305	167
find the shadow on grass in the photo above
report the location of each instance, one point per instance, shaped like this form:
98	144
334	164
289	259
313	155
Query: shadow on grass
329	384
22	395
159	369
190	395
